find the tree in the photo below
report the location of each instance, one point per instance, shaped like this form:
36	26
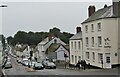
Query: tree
10	39
2	39
55	31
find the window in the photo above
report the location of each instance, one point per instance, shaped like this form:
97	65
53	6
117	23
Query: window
72	58
92	41
99	41
75	45
87	42
93	56
79	57
100	57
86	28
107	59
92	28
71	45
87	56
75	59
79	45
99	26
55	41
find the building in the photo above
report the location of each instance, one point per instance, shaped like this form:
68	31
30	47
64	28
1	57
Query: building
45	44
76	47
101	36
56	52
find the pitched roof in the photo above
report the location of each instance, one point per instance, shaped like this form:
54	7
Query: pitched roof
53	47
21	49
100	14
76	36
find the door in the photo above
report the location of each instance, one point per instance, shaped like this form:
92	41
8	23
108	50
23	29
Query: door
107	60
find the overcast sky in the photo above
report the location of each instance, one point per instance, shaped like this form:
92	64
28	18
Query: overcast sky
42	16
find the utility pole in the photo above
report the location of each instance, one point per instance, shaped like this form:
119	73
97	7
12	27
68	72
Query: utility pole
1	53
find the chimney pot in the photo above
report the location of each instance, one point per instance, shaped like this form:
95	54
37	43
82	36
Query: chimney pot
91	10
78	29
105	5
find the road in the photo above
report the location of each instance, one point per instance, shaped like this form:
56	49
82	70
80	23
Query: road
20	70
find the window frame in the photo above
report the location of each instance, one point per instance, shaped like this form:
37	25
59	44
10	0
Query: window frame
99	27
99	41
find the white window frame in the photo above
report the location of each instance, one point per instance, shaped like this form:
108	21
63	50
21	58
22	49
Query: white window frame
79	45
71	44
87	56
75	44
87	41
86	28
93	54
92	27
93	41
72	56
100	57
99	26
99	41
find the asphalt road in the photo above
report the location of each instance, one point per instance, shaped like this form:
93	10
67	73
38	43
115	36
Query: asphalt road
20	70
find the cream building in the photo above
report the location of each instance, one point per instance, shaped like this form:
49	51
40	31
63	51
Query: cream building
101	40
75	43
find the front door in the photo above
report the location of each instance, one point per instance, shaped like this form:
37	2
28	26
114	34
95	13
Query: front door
107	60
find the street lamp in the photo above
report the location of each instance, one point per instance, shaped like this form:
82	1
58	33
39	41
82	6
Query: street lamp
3	6
3	63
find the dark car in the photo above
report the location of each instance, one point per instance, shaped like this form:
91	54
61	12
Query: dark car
50	65
38	66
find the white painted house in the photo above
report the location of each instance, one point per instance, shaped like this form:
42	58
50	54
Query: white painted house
75	43
56	51
101	36
43	46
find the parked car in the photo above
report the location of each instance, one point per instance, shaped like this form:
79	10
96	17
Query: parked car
24	60
8	65
38	66
44	63
50	65
25	63
31	64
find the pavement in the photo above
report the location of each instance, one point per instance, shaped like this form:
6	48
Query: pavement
29	69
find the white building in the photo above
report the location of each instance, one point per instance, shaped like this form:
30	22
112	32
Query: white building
101	36
45	44
56	51
75	43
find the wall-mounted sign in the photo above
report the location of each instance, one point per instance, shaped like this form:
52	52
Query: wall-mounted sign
107	42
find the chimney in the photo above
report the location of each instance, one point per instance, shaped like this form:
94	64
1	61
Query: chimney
78	29
105	5
49	36
91	10
116	8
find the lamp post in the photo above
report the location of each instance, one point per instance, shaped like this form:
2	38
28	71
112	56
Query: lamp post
1	60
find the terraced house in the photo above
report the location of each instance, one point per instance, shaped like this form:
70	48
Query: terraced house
76	49
101	36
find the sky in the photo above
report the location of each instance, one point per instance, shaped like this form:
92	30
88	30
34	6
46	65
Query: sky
37	16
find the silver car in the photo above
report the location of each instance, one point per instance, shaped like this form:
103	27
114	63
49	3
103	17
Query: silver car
8	65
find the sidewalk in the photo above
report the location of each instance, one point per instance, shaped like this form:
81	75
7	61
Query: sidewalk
76	69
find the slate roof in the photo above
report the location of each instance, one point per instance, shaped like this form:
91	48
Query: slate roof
53	47
100	14
76	36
